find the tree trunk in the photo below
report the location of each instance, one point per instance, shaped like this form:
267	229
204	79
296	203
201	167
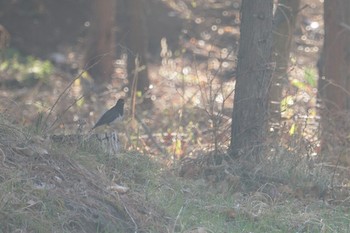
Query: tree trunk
101	49
283	28
254	70
334	89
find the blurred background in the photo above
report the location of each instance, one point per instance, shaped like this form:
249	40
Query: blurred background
175	59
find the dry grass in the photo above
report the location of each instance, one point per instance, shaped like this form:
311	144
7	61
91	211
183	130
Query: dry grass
48	190
48	187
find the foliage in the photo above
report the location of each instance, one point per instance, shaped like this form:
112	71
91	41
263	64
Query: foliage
310	81
24	68
310	77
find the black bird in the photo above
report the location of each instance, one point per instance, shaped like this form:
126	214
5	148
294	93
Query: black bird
112	114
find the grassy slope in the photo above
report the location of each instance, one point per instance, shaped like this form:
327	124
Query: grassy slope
46	187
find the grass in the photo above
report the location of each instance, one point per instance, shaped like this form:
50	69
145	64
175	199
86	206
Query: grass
194	206
66	190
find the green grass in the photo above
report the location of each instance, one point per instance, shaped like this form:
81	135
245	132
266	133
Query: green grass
203	209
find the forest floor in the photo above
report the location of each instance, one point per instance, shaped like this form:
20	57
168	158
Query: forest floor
65	187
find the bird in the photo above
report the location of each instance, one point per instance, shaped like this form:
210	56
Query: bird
115	113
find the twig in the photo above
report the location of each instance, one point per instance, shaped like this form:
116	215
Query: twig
304	7
134	87
3	158
333	175
149	133
127	211
344	25
68	86
177	218
64	112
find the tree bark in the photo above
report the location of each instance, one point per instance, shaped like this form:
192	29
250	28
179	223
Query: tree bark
101	49
334	87
254	71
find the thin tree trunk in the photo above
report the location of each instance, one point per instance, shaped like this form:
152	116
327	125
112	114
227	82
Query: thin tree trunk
283	28
254	71
134	37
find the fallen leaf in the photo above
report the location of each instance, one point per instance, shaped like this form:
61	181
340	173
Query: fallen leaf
120	189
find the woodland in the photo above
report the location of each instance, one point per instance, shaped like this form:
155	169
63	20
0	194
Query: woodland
235	116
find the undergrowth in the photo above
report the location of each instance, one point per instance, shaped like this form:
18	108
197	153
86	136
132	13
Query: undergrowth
47	187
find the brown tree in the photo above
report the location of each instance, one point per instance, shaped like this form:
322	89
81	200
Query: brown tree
254	71
129	17
101	46
334	87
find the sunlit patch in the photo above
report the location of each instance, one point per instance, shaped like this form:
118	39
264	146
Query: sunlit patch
236	5
205	35
186	70
197	101
201	43
225	64
225	13
221	31
198	20
219	98
314	25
